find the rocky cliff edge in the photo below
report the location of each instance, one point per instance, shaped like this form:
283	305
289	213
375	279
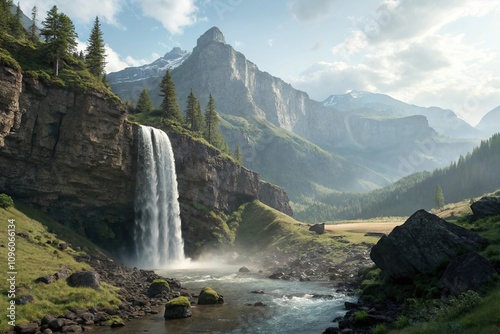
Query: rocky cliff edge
74	156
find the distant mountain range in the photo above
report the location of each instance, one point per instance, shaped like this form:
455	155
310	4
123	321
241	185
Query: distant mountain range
351	142
490	123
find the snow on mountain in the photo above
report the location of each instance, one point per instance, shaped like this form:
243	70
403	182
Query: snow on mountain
170	60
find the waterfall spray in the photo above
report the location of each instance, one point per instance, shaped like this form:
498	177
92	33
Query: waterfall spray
157	233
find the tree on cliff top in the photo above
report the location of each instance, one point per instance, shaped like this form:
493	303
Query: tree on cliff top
212	132
194	117
96	53
144	103
169	106
60	36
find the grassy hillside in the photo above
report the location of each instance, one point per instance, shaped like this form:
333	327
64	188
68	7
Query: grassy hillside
35	257
263	229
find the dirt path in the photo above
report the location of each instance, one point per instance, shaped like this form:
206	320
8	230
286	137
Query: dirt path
364	227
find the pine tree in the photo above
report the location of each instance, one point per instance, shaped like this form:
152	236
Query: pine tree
6	18
96	51
33	36
194	118
17	28
238	156
212	131
144	103
60	36
169	106
439	197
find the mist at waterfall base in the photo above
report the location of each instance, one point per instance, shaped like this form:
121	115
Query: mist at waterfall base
157	231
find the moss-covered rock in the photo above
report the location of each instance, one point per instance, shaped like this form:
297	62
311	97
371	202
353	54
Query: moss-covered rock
209	296
158	287
177	308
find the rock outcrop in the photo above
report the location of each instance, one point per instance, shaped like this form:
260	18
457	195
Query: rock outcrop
485	207
74	155
421	245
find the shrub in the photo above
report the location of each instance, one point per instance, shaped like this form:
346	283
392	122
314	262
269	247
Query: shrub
360	317
6	201
380	329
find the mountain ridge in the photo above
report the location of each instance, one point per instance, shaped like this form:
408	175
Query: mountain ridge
243	92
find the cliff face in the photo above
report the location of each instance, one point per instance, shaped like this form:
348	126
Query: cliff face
70	154
74	155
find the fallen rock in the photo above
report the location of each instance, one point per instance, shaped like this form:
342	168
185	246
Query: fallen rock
87	279
466	272
421	245
27	328
178	308
208	296
46	279
318	228
25	299
485	207
244	270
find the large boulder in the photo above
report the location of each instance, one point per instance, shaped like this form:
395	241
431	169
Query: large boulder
209	296
158	287
421	245
485	207
87	279
318	228
177	308
466	272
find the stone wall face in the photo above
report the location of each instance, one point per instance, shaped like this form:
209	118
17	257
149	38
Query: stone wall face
74	156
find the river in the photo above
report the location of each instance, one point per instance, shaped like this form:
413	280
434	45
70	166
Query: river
291	307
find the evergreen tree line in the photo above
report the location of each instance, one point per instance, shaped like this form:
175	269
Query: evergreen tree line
59	37
472	175
205	125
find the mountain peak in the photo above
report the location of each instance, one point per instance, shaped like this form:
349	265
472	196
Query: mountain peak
212	35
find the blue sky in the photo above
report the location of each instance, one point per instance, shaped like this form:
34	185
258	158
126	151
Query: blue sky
427	52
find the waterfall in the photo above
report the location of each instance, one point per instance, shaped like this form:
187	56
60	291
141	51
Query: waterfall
157	232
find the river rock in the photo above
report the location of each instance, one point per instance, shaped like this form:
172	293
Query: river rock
177	308
318	228
421	245
485	207
466	272
158	287
87	279
208	296
244	270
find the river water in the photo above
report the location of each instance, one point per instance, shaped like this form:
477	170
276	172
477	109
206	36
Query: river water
291	307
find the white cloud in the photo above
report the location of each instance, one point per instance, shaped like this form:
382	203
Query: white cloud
270	42
406	49
80	10
440	70
307	10
173	14
115	62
